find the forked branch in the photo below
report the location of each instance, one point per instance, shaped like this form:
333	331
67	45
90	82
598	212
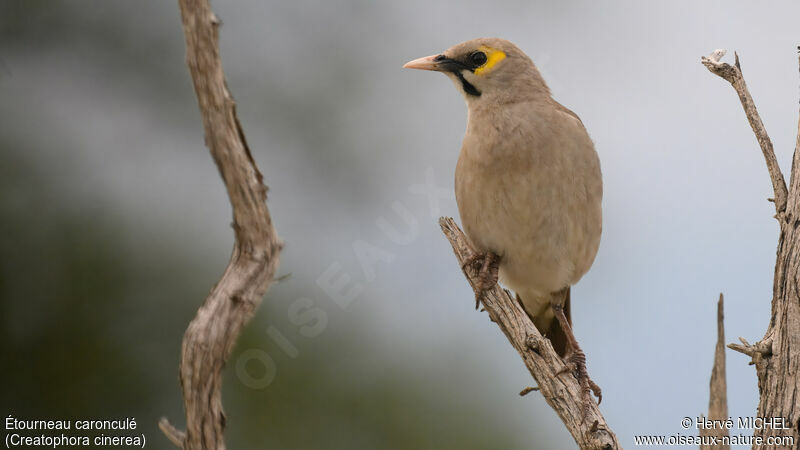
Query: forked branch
777	355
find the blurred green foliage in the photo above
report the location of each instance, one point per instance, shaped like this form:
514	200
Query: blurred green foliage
88	331
92	309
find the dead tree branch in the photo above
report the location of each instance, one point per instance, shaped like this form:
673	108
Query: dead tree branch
761	348
212	334
560	389
733	75
794	182
718	388
777	355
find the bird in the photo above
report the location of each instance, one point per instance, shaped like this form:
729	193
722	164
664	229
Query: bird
528	187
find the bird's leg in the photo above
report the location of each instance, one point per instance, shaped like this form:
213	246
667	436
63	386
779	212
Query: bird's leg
488	265
490	270
576	360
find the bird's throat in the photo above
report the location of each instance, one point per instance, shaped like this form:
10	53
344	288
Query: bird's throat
467	86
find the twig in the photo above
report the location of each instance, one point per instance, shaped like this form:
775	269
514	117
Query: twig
560	389
718	389
763	348
528	390
733	74
211	335
174	435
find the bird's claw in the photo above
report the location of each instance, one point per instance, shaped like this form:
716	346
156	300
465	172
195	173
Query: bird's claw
487	264
472	259
575	363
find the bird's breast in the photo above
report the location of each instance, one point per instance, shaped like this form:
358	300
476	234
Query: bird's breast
531	192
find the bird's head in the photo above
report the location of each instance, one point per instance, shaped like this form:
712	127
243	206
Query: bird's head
487	69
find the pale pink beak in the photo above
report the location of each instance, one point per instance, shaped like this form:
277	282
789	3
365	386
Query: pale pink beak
426	63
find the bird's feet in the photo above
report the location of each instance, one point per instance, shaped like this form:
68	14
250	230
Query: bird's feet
488	266
575	362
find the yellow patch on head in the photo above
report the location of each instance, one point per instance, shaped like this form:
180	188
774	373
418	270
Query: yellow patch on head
493	56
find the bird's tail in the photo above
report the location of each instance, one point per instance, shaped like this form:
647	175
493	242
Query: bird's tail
541	312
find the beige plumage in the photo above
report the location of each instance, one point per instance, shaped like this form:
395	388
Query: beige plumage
528	182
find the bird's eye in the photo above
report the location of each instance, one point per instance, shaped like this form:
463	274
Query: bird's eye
478	58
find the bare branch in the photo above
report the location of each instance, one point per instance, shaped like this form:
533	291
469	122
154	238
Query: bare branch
173	434
763	348
777	356
794	190
559	388
733	74
718	388
211	335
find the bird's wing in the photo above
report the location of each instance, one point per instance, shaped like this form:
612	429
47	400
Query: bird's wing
561	108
